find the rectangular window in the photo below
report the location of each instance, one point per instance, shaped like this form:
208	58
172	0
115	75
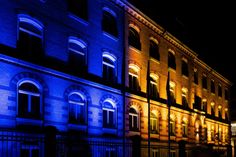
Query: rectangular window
204	82
226	94
111	153
153	125
185	130
29	151
172	153
172	128
133	83
219	91
108	118
155	153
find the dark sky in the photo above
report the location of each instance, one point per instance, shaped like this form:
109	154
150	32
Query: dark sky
206	27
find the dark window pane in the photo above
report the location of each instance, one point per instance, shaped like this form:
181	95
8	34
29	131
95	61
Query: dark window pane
154	50
204	82
196	77
78	7
109	23
212	87
35	153
35	106
185	68
171	60
24	153
134	39
105	118
22	105
219	91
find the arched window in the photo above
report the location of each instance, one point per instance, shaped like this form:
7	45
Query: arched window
154	124
185	67
77	54
172	126
30	37
219	90
220	111
185	97
78	8
154	84
171	60
204	105
29	100
77	108
154	50
133	120
195	76
134	39
204	81
134	77
109	22
109	114
109	67
213	86
184	128
213	108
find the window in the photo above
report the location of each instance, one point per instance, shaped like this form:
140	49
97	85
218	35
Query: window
154	83
133	120
29	100
212	108
172	153
133	77
154	50
220	134
108	64
30	37
171	60
172	127
109	118
212	134
185	67
109	22
154	124
219	90
172	92
220	111
204	105
185	129
78	8
195	76
185	97
155	153
197	102
226	94
134	39
77	108
29	151
213	86
205	134
111	153
77	52
204	81
226	114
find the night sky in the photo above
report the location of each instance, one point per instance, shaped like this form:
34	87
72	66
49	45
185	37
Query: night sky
206	28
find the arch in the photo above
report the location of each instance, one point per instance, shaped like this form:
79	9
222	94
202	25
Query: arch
134	67
29	77
30	20
154	40
154	76
111	99
136	106
77	89
135	27
109	56
77	41
109	11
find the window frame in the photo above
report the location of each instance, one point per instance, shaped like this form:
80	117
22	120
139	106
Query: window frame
29	95
132	115
113	59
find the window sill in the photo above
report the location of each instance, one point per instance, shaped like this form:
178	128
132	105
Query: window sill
186	77
156	136
154	60
134	49
81	127
172	137
109	130
28	121
173	70
133	133
110	36
76	18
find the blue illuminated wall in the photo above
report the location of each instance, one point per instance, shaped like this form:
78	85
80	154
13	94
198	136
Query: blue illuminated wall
58	26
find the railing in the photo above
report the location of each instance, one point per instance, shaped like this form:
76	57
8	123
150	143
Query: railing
25	144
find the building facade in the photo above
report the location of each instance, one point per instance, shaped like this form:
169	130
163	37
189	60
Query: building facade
74	80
